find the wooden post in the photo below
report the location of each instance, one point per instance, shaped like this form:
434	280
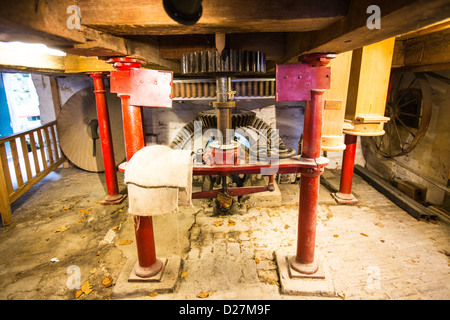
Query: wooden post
5	206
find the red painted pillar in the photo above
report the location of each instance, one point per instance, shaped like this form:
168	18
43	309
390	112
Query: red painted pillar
344	196
113	197
304	261
148	264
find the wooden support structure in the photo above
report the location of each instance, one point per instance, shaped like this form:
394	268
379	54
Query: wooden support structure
351	32
368	87
335	100
18	176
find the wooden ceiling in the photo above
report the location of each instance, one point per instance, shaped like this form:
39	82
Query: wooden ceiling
283	29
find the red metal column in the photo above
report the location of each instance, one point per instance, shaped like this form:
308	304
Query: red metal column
113	197
344	196
148	264
304	262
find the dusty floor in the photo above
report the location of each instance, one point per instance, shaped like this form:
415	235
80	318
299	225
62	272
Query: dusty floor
373	250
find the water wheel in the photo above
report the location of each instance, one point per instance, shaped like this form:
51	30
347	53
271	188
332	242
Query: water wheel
409	109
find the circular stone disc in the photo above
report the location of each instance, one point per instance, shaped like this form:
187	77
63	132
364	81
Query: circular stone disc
74	134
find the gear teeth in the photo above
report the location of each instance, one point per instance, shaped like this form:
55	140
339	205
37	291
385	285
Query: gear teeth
230	62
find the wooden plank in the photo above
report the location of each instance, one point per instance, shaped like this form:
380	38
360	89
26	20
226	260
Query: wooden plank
77	64
26	157
48	145
16	163
34	152
42	148
351	32
5	206
20	191
55	142
5	166
148	17
55	95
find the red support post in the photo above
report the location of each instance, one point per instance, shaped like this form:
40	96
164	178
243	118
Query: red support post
345	196
113	196
304	261
148	264
314	68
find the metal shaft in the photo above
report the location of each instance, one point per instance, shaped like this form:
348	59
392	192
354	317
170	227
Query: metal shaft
223	85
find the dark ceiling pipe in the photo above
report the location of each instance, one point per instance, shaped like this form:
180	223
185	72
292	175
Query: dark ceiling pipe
186	12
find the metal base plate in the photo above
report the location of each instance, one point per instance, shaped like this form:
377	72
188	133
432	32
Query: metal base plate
118	200
165	282
344	198
157	277
293	274
320	284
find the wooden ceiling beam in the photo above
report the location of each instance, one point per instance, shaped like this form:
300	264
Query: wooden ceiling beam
148	17
428	52
46	22
351	32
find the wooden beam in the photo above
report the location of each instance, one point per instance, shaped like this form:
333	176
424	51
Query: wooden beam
78	64
433	48
428	52
22	60
367	88
369	80
397	17
105	45
435	27
38	21
148	17
46	22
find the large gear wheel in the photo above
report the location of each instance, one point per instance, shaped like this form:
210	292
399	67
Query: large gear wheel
230	62
240	118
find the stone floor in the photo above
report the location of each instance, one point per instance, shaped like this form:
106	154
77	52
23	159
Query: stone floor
372	250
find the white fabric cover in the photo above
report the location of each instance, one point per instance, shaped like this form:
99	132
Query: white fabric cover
158	179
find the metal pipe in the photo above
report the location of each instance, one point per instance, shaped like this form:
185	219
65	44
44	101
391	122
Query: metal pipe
348	164
104	126
132	127
148	264
304	261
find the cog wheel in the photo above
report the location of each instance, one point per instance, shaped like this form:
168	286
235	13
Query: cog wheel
230	62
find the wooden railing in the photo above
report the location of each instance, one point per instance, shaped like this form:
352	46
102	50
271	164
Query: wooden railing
32	155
